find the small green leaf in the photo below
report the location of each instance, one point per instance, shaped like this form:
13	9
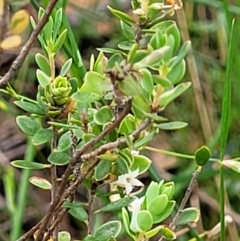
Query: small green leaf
74	84
108	230
126	223
59	158
111	51
145	140
144	220
57	23
151	193
176	74
129	86
127	125
86	97
96	83
79	213
43	78
65	142
102	170
167	233
127	30
28	125
117	205
48	29
181	55
175	125
140	107
104	115
43	63
64	236
153	58
40	182
68	204
122	16
65	68
29	165
164	82
187	216
168	189
125	45
116	58
149	234
59	124
42	136
147	80
168	211
121	166
158	204
168	96
60	40
202	155
29	107
140	162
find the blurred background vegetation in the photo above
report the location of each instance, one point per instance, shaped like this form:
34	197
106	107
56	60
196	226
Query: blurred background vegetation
207	24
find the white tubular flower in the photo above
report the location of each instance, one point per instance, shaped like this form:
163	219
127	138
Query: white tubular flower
135	208
128	181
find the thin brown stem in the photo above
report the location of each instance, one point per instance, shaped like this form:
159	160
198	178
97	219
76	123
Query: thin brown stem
17	63
90	210
185	199
54	188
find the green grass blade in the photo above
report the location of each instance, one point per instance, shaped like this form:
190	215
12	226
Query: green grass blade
226	105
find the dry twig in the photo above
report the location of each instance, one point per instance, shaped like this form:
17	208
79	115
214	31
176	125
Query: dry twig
17	63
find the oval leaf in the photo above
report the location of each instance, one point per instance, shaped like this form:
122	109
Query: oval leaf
187	216
19	21
59	158
144	220
60	41
86	97
172	94
96	83
108	230
167	233
64	236
43	78
158	204
117	205
40	182
42	136
142	163
11	42
66	67
79	213
175	125
104	115
29	107
202	155
43	63
102	170
65	142
162	216
122	16
28	125
29	165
